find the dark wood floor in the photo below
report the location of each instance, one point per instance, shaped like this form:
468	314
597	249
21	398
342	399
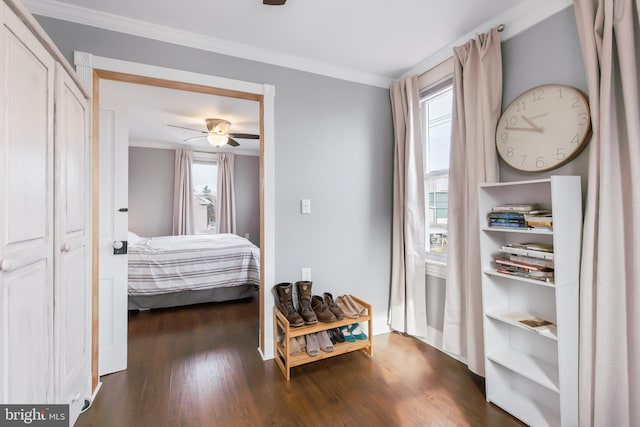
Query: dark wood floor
199	366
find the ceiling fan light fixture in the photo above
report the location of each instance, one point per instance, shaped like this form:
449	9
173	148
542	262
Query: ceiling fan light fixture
217	140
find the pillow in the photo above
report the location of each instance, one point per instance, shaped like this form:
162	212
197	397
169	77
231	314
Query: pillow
132	237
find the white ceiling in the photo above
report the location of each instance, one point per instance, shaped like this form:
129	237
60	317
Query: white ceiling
368	41
151	109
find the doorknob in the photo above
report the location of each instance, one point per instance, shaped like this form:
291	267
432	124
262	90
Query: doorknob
6	265
119	247
65	247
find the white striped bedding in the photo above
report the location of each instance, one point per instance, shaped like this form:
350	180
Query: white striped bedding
167	264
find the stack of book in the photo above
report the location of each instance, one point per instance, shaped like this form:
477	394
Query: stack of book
529	260
510	215
540	219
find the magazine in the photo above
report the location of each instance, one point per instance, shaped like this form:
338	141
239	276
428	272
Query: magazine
534	323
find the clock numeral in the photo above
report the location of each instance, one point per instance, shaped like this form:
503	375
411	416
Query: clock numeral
560	154
583	118
538	95
560	93
539	162
510	152
576	102
504	137
524	159
513	120
521	106
575	139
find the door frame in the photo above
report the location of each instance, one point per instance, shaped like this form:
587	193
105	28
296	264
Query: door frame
91	69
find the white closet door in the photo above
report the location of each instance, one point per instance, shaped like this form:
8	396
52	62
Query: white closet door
26	215
72	278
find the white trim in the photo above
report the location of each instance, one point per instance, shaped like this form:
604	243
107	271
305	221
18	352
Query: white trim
435	269
515	21
87	62
108	21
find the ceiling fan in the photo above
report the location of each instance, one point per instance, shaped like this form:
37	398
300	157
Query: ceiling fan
217	133
274	2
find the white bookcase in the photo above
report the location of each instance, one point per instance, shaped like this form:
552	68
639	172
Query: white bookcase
533	376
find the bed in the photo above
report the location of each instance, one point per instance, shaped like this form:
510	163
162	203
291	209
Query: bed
171	271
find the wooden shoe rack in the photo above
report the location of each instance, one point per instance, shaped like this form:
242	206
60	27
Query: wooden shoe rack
287	361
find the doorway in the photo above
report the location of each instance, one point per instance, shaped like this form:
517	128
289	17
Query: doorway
92	69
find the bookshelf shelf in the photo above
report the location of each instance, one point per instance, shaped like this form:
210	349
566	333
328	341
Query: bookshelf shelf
520	279
500	318
530	374
532	368
518	230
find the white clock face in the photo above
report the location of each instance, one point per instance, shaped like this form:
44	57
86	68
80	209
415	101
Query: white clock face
543	128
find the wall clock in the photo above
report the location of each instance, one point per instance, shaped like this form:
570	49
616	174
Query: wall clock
544	128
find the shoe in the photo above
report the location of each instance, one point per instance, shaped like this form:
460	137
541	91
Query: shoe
294	348
337	334
284	301
360	309
328	300
346	309
313	345
322	310
304	303
325	343
302	343
346	333
356	332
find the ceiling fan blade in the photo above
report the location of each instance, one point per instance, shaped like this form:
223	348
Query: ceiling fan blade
244	136
194	138
232	142
182	127
274	2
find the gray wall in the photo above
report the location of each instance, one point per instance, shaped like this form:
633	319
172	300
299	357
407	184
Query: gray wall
151	176
334	145
546	53
549	52
151	191
247	186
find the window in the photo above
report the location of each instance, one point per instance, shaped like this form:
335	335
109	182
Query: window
436	106
205	176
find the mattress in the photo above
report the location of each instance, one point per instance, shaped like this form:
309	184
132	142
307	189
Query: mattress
167	264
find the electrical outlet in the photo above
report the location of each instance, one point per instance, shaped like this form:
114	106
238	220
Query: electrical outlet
305	206
306	274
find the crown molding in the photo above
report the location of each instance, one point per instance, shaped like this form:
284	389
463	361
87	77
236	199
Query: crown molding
107	21
516	20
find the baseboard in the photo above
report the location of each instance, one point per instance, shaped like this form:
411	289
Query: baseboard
268	353
89	401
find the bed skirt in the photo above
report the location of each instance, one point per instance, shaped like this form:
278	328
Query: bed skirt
145	302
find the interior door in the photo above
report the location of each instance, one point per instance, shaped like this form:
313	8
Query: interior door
114	165
72	246
26	214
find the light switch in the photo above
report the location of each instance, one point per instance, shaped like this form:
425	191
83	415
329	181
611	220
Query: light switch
305	206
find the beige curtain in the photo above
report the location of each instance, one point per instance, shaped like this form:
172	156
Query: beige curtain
225	198
610	277
183	222
408	311
477	97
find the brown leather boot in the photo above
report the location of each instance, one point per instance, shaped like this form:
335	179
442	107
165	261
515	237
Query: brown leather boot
304	303
284	297
328	300
322	310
